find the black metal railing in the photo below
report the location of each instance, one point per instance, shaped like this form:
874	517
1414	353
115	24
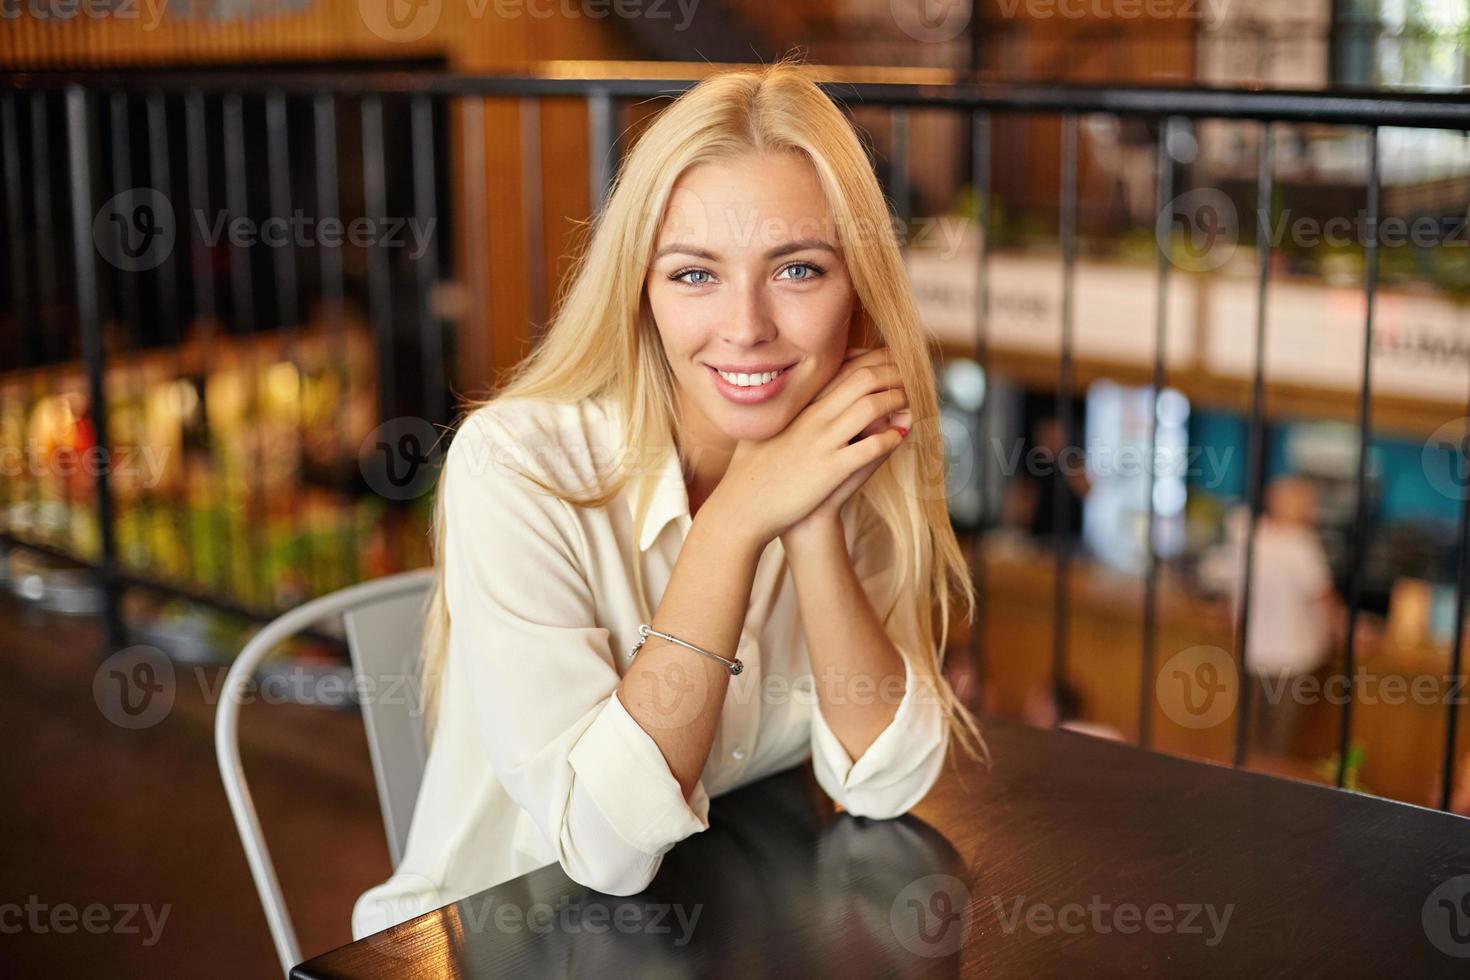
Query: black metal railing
324	116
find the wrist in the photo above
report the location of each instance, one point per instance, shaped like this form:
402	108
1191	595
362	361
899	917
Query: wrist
816	531
732	526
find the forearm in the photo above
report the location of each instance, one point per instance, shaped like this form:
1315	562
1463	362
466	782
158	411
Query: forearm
859	673
675	694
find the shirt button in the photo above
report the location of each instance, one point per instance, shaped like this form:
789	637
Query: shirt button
738	754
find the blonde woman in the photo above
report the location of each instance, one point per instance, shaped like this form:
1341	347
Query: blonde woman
728	435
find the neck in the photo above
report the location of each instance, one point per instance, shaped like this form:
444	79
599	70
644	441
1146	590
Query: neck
705	453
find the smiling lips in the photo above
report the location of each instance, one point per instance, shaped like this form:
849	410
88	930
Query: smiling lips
742	389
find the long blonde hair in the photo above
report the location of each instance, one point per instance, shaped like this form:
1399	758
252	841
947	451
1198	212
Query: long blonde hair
602	342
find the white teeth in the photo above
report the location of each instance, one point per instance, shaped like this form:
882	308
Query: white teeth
749	380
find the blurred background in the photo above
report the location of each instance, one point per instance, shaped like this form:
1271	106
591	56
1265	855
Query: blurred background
254	252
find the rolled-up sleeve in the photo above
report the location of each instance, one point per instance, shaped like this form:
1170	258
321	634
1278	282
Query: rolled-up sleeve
903	762
542	673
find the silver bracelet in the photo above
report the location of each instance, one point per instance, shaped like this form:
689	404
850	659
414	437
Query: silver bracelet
734	666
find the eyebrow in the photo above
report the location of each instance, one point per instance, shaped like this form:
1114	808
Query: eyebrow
786	248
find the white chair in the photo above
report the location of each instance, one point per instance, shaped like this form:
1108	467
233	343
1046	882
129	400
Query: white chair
383	620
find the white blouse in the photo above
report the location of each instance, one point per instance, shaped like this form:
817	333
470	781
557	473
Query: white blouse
535	760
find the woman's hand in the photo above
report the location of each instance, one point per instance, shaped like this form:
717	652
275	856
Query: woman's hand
828	509
810	468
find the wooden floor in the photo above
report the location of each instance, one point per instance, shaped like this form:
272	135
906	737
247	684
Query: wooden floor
96	814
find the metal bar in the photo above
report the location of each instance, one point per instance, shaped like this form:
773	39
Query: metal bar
128	318
1255	460
47	292
1060	522
477	218
20	286
196	157
602	122
20	291
1164	193
242	305
533	219
380	296
899	168
426	266
161	179
45	227
122	180
212	600
196	138
278	173
206	309
324	131
79	129
980	180
938	89
1457	642
1359	545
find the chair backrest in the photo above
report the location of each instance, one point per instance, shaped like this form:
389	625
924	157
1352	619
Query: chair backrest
384	640
383	620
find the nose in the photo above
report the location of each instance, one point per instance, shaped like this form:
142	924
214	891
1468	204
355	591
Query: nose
749	319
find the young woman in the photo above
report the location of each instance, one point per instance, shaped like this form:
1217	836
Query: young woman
728	435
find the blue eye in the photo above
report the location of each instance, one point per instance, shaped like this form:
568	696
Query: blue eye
679	276
812	270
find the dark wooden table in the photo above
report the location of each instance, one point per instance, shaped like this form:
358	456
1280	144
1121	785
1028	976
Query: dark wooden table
1071	857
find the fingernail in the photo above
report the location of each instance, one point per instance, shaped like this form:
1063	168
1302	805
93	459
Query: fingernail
902	431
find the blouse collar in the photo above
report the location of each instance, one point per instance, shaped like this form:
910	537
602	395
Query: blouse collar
669	497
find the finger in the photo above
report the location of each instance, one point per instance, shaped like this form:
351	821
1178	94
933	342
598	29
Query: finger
872	449
870	429
864	379
857	358
873	408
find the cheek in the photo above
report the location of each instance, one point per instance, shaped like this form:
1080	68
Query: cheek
818	322
680	324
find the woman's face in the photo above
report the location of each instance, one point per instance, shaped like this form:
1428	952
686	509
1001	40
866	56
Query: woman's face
748	276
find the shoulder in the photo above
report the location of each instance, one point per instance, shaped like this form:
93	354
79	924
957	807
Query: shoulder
561	442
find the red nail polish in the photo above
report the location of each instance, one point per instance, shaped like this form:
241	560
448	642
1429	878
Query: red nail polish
902	431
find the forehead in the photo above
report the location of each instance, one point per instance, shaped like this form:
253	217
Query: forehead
749	202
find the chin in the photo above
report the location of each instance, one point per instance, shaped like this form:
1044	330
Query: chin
752	424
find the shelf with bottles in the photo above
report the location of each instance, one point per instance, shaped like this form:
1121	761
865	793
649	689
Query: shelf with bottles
234	470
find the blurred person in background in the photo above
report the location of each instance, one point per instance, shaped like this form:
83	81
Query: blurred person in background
1294	611
1032	496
